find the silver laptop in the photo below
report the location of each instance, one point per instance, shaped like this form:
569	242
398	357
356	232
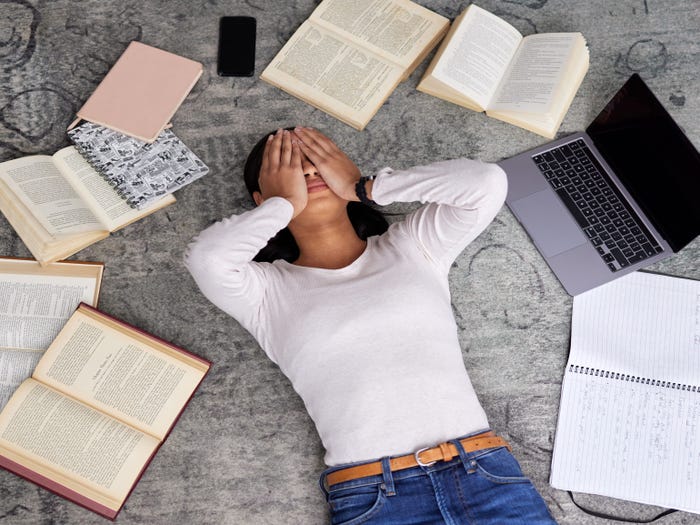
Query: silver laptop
619	197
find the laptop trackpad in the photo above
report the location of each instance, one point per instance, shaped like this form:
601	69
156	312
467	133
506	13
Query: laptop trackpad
548	222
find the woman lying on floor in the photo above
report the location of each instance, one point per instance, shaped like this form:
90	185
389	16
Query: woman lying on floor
358	316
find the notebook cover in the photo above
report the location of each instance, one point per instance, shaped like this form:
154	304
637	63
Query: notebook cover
141	92
141	173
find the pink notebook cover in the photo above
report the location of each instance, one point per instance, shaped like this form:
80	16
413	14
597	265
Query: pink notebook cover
141	92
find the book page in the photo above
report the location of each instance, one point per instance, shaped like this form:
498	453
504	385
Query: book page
535	73
341	78
73	444
38	184
15	366
398	30
45	247
112	210
119	374
33	309
29	229
480	49
633	374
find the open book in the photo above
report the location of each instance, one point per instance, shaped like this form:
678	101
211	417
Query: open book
36	303
59	204
485	64
349	56
99	405
629	417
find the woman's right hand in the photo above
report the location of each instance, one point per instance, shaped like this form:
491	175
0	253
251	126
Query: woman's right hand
281	174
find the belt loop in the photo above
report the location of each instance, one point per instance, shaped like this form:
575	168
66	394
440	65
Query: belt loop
468	463
447	454
322	484
388	478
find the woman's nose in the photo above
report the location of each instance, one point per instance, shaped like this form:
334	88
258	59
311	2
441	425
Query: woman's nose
308	168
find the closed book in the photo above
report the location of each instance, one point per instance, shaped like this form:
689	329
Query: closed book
141	92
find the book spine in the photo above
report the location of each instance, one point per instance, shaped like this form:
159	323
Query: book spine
607	374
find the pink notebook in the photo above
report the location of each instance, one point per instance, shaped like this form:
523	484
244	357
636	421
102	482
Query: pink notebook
141	92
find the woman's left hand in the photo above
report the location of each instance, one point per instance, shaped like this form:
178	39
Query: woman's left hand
337	170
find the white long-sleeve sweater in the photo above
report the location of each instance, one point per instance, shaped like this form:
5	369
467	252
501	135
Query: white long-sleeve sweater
371	348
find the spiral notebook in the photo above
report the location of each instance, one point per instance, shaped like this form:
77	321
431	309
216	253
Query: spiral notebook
140	172
629	417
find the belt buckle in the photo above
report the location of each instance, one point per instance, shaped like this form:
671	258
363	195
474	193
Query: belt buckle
417	454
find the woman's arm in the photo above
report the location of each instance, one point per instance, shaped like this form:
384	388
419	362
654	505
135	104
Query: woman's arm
220	258
463	197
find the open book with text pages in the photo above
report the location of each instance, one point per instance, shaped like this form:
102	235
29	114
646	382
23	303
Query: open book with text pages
36	301
100	403
349	56
59	204
485	64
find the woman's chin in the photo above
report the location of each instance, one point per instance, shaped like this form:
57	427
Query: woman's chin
324	202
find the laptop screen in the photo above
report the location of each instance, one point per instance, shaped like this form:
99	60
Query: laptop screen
656	162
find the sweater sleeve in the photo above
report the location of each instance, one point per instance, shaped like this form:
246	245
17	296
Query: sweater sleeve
220	258
463	196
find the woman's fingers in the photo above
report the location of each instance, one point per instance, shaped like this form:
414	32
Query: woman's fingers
296	156
316	156
281	172
316	141
286	149
266	154
275	148
309	153
317	136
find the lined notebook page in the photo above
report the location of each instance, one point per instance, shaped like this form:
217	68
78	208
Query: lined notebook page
643	324
629	417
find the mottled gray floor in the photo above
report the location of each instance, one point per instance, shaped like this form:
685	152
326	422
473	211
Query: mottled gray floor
245	452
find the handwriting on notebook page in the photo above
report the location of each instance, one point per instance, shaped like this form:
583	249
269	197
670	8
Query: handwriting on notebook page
629	419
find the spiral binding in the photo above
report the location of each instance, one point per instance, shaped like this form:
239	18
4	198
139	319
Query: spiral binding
133	168
606	374
93	161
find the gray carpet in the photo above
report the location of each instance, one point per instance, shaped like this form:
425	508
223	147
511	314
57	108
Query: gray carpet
245	452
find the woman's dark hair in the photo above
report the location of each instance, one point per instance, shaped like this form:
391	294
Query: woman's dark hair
366	220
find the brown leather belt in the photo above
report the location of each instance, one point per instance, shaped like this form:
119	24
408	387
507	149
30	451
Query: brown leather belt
424	457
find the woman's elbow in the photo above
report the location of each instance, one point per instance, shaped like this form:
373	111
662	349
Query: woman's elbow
497	184
199	260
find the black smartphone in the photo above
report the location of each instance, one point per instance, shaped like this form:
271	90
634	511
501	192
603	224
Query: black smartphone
236	46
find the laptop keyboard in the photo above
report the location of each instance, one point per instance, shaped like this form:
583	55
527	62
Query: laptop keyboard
597	205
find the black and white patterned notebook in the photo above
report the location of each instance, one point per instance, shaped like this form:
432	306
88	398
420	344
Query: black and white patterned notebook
140	172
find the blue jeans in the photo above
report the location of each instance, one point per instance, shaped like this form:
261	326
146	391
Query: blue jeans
481	487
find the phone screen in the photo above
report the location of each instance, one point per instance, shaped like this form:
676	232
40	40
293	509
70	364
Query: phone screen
236	46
